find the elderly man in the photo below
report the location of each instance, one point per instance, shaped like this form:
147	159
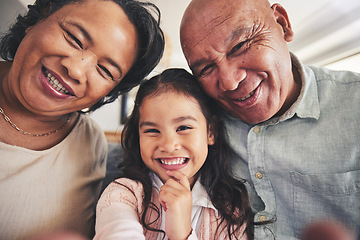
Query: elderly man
294	129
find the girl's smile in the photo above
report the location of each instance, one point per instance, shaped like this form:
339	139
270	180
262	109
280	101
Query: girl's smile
173	163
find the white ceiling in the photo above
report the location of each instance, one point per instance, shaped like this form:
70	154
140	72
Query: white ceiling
325	30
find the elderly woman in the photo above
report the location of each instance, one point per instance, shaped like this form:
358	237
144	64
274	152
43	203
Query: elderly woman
62	57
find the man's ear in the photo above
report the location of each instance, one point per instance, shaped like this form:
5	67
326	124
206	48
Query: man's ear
283	19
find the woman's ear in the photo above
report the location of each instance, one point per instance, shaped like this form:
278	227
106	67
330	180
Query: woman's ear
283	19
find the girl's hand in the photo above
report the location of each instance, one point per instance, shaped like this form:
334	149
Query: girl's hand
176	199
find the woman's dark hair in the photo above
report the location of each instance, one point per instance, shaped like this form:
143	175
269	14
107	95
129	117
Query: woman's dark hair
151	38
229	195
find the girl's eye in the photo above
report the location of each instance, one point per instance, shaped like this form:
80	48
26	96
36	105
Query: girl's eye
73	40
183	128
105	71
151	131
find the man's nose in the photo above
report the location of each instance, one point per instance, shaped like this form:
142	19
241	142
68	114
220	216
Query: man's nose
230	75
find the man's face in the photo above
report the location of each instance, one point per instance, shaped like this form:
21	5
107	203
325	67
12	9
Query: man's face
238	51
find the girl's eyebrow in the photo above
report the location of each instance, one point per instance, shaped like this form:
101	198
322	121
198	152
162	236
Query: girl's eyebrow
184	118
150	124
176	120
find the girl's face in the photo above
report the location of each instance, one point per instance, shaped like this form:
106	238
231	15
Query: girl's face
73	58
173	135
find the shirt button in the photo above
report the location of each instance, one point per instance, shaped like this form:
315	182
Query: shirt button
262	218
256	130
259	175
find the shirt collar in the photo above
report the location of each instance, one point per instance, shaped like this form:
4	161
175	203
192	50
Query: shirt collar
307	104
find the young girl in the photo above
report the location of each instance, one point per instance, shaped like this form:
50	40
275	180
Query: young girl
177	182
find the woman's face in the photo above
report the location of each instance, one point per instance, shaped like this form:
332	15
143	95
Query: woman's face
73	58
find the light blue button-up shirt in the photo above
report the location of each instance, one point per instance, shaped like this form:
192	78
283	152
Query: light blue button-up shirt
304	165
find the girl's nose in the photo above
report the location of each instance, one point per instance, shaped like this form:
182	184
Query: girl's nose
169	143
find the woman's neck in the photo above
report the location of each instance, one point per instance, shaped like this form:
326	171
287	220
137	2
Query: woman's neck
23	128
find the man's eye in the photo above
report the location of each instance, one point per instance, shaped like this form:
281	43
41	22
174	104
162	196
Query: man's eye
236	48
106	71
73	40
183	128
206	70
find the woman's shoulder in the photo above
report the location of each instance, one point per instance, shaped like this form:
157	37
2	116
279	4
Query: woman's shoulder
87	132
86	123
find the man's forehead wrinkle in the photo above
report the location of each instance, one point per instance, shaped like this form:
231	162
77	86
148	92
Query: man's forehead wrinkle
211	26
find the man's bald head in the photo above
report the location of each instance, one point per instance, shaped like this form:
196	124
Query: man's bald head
238	51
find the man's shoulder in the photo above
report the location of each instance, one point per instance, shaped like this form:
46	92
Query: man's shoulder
337	76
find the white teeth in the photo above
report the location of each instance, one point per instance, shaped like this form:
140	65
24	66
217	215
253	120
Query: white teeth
247	96
174	161
55	83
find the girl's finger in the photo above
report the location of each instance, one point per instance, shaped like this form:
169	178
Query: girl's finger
163	204
179	177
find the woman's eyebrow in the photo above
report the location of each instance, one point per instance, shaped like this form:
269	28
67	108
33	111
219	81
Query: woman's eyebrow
89	38
112	62
83	30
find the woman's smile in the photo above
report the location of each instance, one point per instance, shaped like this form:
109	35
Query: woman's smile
57	83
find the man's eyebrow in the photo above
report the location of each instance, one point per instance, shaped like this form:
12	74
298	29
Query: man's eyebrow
233	36
197	64
239	31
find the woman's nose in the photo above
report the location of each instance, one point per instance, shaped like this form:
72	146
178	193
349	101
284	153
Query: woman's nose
230	75
78	65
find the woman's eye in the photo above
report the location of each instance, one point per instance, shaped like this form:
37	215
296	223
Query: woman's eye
183	128
76	42
106	71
